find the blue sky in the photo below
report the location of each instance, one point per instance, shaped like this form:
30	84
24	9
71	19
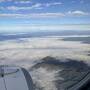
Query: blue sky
44	12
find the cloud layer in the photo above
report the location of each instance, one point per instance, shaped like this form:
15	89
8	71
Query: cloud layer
29	51
43	15
25	7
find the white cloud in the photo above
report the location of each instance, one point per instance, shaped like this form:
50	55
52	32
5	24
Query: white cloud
33	6
52	4
5	1
12	8
33	15
17	1
42	15
78	13
47	15
44	5
23	2
37	5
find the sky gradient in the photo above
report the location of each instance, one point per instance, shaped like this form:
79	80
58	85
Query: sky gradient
44	12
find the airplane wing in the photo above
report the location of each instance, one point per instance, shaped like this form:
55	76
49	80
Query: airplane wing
15	78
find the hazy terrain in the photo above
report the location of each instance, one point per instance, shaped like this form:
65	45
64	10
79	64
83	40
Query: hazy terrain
45	55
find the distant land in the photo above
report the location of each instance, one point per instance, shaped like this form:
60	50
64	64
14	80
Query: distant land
82	39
